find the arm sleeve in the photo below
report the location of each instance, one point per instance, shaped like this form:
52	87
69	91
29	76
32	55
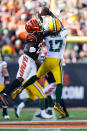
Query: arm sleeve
63	32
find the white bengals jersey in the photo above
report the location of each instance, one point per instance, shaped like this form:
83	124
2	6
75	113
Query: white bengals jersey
27	67
56	45
3	64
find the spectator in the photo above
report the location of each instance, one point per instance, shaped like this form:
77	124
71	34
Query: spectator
14	14
83	53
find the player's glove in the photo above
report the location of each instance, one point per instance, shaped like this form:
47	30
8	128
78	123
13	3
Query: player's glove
16	93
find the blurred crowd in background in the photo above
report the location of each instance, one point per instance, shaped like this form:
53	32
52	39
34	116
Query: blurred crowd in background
15	13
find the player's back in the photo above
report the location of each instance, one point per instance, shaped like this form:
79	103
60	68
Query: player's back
56	44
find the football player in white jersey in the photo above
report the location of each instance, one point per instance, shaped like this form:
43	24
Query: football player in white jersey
50	88
53	63
4	82
35	90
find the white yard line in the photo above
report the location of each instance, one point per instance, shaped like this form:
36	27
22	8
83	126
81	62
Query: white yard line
44	129
43	120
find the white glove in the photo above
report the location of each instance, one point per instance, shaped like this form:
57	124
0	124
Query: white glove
32	49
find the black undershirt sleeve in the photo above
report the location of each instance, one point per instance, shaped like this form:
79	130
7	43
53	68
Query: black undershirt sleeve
14	85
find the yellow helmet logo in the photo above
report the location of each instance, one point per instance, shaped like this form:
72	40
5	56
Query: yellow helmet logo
54	24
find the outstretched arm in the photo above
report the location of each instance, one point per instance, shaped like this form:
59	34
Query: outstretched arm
45	11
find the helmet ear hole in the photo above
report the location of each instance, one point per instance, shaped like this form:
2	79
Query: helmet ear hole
54	24
32	25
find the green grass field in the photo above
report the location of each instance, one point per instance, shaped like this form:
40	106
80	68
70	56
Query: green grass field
27	115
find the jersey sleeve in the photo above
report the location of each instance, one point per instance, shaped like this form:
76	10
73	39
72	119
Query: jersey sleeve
63	32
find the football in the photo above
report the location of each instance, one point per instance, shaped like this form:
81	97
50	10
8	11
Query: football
44	11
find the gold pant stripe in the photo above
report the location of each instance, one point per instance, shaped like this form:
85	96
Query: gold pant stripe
39	90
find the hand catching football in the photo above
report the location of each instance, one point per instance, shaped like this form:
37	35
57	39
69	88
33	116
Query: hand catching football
44	11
